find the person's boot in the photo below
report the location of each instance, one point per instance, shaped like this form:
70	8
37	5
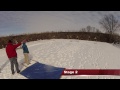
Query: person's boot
28	63
18	71
13	73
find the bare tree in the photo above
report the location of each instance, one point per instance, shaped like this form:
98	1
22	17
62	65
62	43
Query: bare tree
88	28
109	23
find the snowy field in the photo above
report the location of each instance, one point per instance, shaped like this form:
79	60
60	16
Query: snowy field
67	53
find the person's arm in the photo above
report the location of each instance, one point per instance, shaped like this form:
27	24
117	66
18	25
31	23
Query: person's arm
17	45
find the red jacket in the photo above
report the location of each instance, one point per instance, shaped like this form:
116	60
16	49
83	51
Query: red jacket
11	49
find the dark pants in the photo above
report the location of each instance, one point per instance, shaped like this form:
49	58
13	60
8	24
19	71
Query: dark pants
13	62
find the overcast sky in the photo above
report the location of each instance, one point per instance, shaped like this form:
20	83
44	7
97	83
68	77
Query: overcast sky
18	22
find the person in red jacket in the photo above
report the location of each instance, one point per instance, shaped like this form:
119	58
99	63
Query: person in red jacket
12	55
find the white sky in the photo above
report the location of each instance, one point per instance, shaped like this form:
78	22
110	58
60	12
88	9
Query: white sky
17	22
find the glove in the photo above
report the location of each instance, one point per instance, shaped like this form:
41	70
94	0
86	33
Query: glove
24	41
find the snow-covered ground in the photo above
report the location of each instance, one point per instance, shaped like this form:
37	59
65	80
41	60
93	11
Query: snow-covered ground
67	53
